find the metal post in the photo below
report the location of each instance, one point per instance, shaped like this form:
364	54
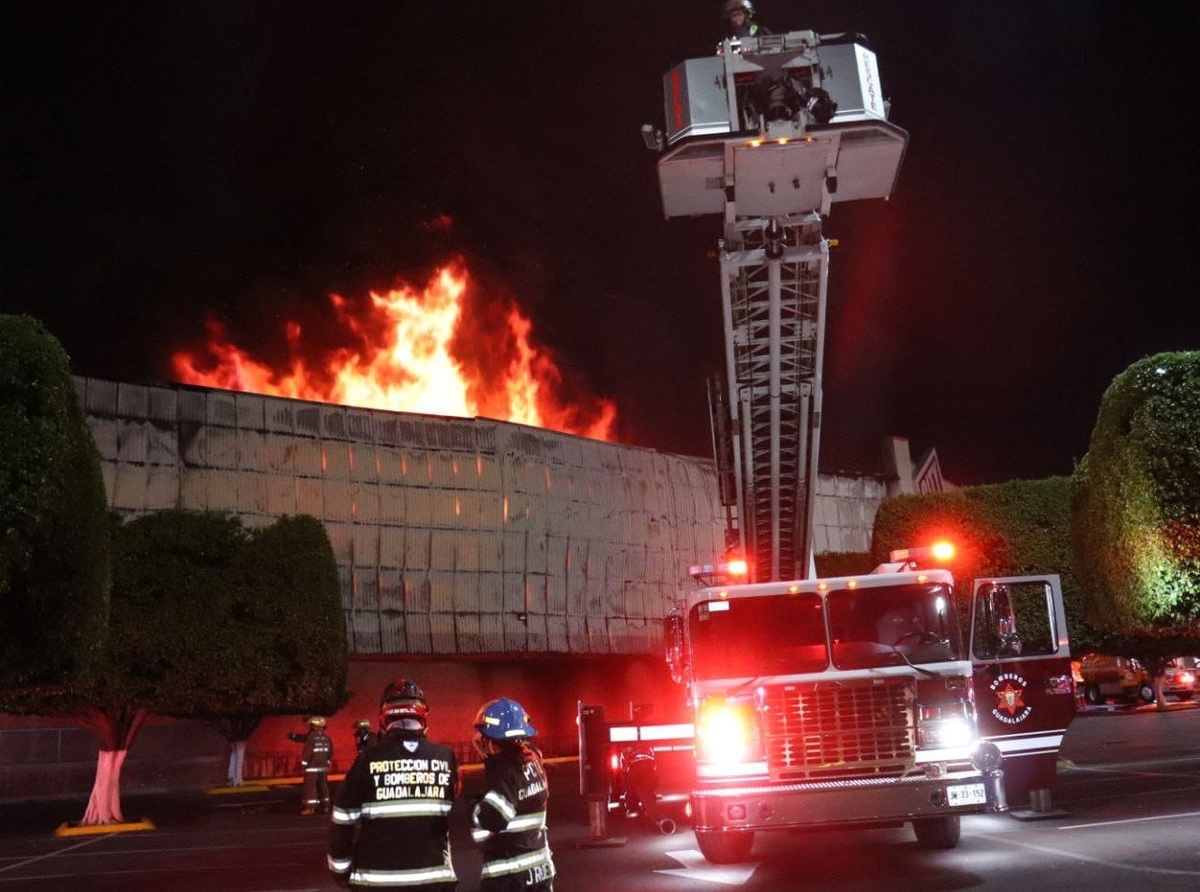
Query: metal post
597	820
1040	807
1039	800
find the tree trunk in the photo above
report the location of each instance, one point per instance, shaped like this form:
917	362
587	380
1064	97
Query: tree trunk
115	728
1160	699
237	730
237	762
104	806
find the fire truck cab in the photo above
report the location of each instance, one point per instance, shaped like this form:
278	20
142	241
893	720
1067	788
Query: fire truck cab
869	701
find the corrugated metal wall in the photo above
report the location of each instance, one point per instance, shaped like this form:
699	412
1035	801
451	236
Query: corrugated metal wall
845	512
452	536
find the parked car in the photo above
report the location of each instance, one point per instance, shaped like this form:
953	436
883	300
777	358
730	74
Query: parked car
1106	677
1179	678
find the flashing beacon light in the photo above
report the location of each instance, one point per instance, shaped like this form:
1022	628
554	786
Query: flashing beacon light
737	567
942	550
729	569
914	558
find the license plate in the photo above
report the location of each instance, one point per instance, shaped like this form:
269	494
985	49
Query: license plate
966	794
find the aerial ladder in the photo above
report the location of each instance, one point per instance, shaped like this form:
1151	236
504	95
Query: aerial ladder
809	705
769	133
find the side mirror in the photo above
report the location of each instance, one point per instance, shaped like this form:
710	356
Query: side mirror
673	645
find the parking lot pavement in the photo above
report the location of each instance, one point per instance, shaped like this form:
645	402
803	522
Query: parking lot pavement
1136	706
178	808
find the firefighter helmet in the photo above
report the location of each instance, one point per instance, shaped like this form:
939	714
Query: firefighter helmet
403	701
363	723
317	721
503	719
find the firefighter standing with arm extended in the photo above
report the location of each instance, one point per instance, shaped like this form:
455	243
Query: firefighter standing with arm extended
318	753
509	822
391	821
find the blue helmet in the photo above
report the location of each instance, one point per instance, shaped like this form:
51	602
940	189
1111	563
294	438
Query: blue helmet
503	719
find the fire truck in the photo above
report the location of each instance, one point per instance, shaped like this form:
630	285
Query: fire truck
888	698
868	701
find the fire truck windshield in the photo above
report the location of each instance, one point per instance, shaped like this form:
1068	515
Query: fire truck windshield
892	625
767	635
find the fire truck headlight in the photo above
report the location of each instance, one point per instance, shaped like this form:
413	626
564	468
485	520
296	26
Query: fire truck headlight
726	734
987	757
944	727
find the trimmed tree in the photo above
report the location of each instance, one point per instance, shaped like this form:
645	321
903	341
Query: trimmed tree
214	622
284	650
1136	511
54	529
170	607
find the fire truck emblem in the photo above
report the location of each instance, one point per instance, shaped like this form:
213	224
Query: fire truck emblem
1011	707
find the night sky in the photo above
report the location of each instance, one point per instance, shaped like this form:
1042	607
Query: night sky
169	162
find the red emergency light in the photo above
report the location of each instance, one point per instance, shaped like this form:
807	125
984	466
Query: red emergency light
727	570
939	552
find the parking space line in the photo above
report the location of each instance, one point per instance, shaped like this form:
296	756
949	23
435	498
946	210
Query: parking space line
1133	763
1126	773
62	851
1103	862
1186	814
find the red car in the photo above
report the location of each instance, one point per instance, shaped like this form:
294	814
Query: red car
1179	679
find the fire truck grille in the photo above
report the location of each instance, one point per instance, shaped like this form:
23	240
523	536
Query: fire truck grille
833	731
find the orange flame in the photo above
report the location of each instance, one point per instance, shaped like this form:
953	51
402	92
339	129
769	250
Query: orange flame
416	352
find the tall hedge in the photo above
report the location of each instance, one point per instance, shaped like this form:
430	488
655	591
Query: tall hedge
1136	509
54	529
1017	528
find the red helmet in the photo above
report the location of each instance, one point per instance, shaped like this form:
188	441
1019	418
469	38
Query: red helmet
402	700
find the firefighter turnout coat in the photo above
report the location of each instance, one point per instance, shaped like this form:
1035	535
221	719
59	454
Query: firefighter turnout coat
317	756
509	822
391	819
318	751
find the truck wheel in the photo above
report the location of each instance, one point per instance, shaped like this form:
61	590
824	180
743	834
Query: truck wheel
724	848
1146	693
938	833
1091	693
